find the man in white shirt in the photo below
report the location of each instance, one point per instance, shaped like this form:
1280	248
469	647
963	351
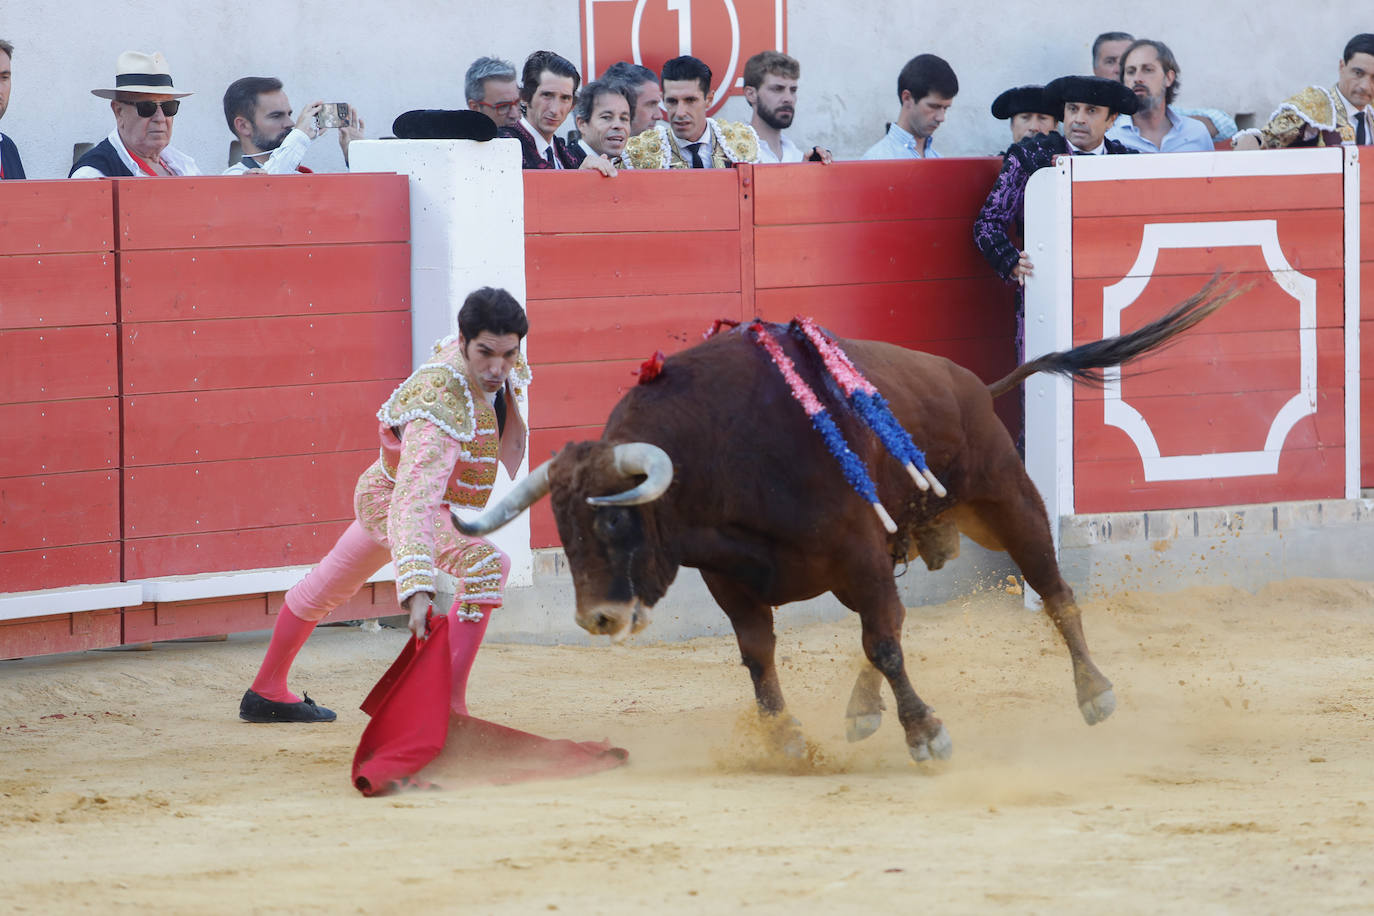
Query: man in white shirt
1150	70
145	103
926	87
259	115
770	88
1318	116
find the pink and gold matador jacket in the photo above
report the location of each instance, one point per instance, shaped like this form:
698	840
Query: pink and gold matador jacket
440	447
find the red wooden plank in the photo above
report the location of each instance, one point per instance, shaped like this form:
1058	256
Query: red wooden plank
63	633
255	493
1210	195
252	422
57	290
54	364
227	211
1366	432
646	201
861	191
623	327
1208	423
582	394
1108	246
58	437
1184	425
263	352
57	510
1366	228
866	252
930	310
47	217
748	266
1216	363
203	283
543	529
631	263
247	613
1366	192
227	551
59	567
1264	306
1119	486
1367	289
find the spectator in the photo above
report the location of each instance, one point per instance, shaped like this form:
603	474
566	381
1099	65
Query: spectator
646	98
1090	104
1150	70
10	166
491	89
926	88
144	103
1324	117
1027	110
694	140
1218	123
770	88
603	119
1107	51
259	115
547	87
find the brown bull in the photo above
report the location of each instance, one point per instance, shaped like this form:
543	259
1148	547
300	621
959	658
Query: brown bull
737	484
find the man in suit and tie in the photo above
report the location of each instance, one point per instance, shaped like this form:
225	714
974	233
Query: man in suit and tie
688	139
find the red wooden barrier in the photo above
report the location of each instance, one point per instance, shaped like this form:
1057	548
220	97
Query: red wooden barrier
255	321
1367	326
1215	397
59	417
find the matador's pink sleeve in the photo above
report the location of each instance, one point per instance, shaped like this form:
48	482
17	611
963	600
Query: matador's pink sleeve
428	456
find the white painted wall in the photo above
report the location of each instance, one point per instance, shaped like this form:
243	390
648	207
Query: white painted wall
389	57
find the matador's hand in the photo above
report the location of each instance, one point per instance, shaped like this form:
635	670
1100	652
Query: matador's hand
417	606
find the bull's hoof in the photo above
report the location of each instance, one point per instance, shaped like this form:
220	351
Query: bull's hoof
857	728
1099	707
940	747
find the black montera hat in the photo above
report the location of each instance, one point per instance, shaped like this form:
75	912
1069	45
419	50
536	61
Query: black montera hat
442	124
1022	99
1092	90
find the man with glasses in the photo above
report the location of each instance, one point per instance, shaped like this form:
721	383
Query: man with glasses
491	89
144	103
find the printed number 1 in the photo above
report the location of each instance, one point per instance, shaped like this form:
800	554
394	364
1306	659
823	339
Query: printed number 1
683	8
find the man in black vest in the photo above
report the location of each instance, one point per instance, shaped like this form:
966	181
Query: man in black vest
144	103
10	166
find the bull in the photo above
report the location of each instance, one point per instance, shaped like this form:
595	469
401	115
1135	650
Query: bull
713	465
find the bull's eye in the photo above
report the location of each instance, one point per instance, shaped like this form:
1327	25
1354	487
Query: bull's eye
615	524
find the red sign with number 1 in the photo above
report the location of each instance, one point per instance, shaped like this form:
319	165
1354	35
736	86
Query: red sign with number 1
723	33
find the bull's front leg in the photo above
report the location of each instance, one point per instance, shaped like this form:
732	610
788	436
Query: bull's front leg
753	625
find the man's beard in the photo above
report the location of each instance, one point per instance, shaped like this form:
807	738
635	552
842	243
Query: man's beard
266	143
775	118
1148	102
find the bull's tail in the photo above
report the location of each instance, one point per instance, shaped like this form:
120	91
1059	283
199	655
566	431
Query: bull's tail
1085	363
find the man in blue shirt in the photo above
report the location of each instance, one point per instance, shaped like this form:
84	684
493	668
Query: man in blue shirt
1149	69
926	88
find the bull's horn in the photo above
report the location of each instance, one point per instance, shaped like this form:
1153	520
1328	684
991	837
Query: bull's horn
525	494
633	458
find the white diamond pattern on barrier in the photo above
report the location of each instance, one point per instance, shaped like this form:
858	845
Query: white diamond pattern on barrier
1116	298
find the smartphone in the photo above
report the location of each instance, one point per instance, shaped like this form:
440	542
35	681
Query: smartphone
333	114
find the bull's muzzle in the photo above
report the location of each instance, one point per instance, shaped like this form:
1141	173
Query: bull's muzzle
616	619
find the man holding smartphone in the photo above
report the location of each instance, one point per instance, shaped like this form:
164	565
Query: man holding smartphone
259	115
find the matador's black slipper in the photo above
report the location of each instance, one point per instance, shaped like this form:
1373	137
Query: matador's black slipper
257	708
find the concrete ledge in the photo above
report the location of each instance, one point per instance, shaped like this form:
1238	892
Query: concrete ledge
223	585
70	600
1244	546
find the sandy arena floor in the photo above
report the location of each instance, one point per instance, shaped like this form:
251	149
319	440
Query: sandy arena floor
1237	775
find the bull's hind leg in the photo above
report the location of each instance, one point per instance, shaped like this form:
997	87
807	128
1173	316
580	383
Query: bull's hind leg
753	625
1019	526
864	713
874	599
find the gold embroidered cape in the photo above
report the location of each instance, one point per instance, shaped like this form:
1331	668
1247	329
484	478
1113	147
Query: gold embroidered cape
731	142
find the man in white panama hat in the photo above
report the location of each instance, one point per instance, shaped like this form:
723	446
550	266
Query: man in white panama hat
144	103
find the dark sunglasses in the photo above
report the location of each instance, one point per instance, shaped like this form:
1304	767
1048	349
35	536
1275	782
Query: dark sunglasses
148	109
